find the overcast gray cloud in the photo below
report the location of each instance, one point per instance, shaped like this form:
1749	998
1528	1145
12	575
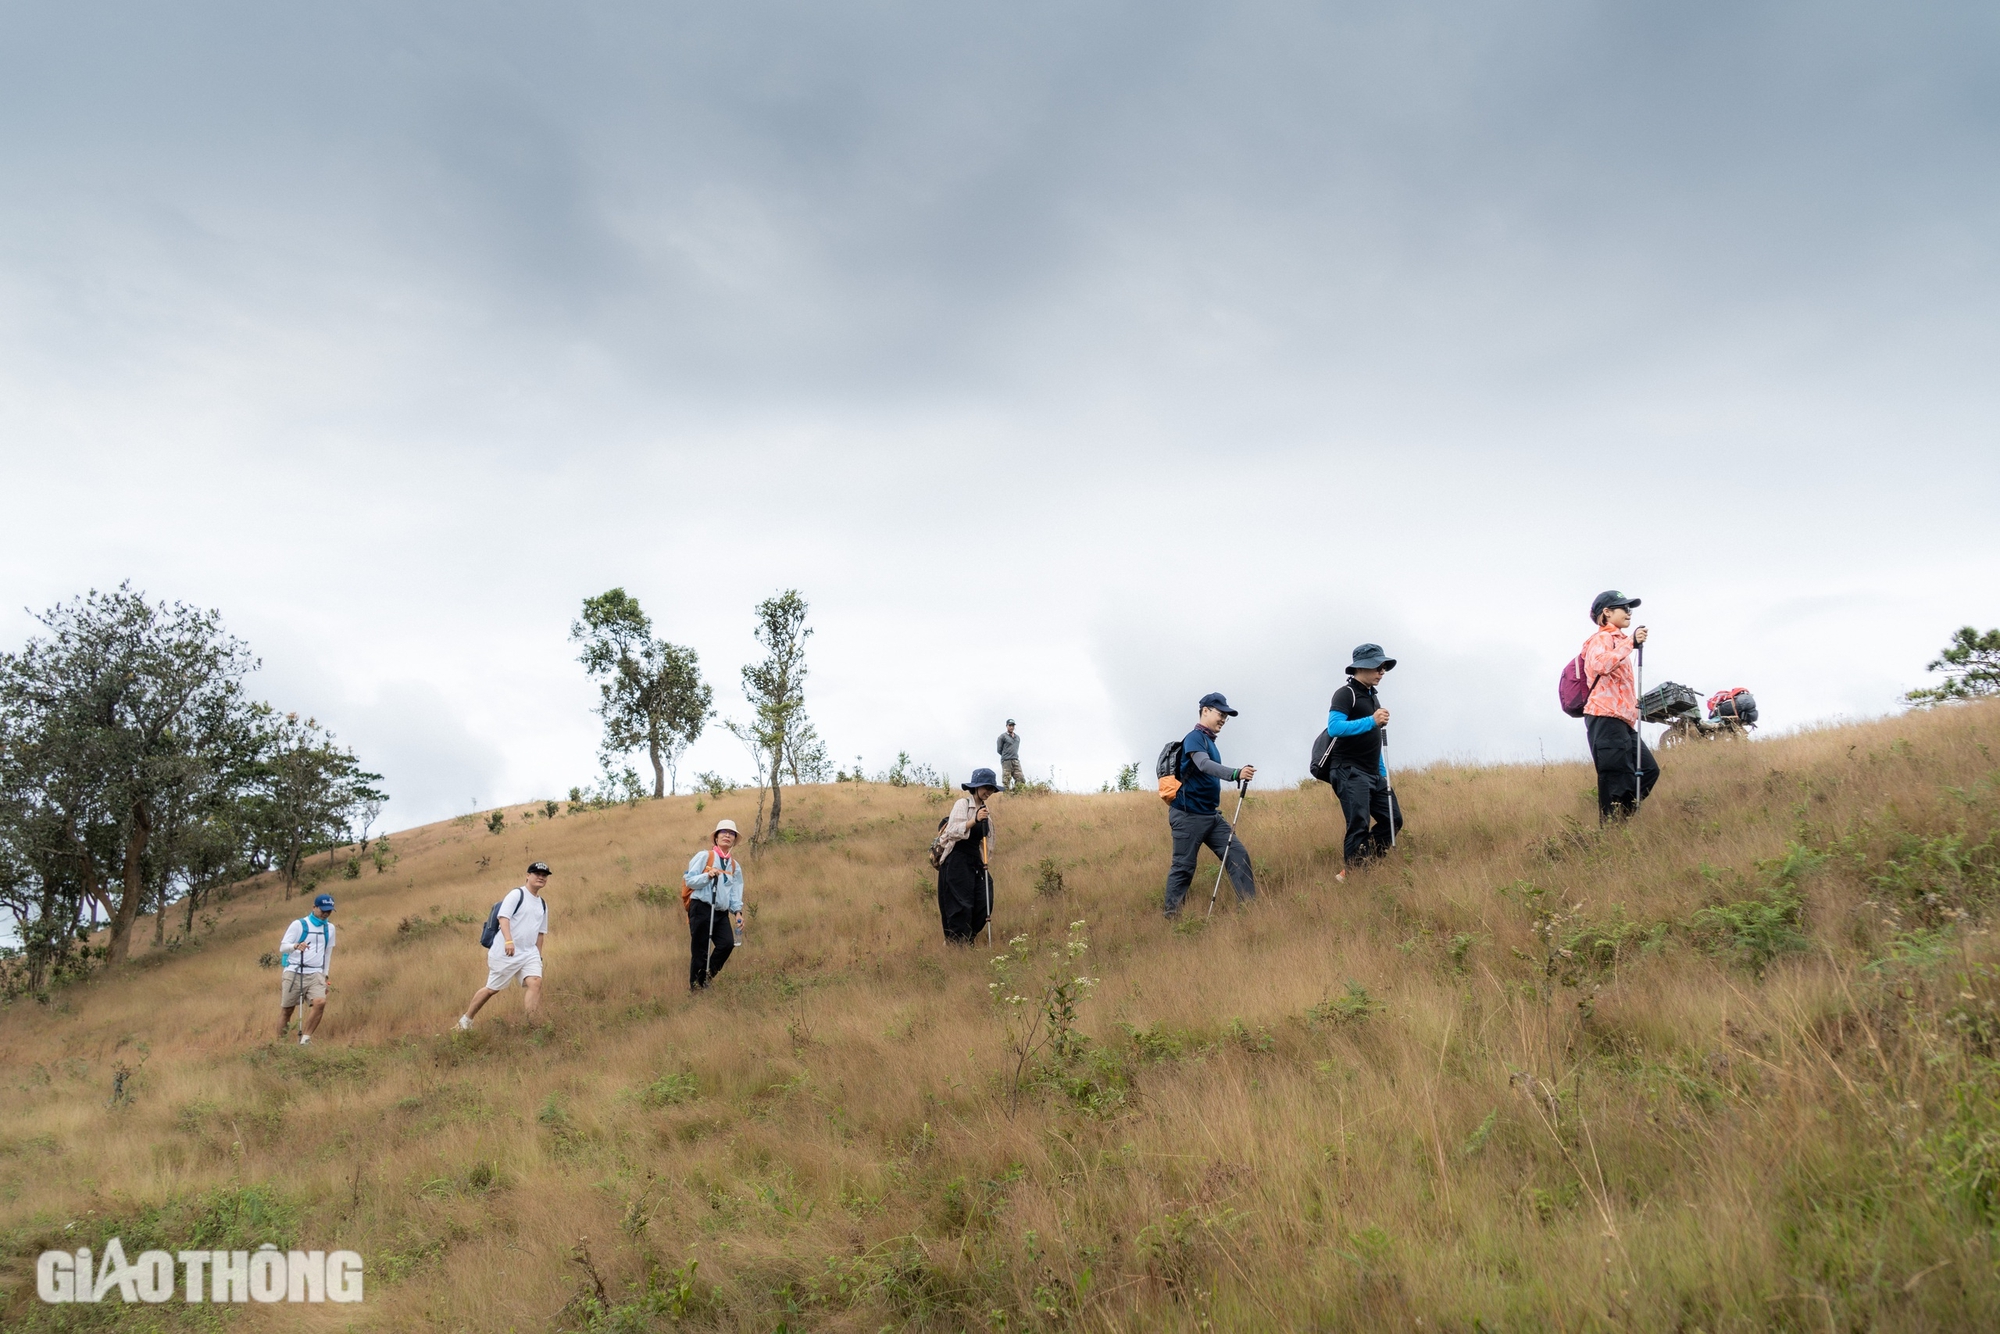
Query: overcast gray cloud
1073	360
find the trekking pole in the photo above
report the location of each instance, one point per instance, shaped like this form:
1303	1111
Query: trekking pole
1639	731
1242	786
1390	783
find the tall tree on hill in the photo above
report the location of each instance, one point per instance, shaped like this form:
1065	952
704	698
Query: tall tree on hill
120	706
198	808
307	793
651	692
776	688
1971	664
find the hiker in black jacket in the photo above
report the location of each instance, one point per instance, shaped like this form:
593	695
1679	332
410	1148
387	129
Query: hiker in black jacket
1358	724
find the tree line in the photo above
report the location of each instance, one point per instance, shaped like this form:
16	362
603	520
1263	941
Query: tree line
136	774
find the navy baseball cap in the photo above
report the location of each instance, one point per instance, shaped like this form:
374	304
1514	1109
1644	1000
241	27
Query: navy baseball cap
1216	700
324	903
1608	599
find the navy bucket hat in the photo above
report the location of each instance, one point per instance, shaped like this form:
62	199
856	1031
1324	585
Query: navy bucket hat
981	778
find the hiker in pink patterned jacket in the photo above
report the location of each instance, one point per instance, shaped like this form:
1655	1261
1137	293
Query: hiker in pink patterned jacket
1611	714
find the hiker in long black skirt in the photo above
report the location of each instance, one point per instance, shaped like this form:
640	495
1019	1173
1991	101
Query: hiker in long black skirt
965	875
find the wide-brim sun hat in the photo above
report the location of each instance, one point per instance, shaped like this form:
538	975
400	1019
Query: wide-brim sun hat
721	825
1367	657
981	778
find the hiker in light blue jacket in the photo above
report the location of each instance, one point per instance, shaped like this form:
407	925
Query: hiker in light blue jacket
714	881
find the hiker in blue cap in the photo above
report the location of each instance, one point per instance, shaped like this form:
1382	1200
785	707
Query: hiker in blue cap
306	955
1195	813
963	855
1359	772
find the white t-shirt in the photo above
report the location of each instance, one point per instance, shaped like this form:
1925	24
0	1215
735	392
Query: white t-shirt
306	945
527	915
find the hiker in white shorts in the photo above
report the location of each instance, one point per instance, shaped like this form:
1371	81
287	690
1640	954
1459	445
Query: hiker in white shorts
307	947
516	951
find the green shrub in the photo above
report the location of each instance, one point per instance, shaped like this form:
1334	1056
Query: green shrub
659	896
1353	1007
670	1090
1758	930
1755	930
1963	1153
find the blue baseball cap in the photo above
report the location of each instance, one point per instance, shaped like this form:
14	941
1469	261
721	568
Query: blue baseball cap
324	903
1214	699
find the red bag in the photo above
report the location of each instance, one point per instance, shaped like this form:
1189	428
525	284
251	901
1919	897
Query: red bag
1571	688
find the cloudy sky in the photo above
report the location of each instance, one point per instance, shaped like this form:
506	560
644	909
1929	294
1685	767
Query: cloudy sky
1071	359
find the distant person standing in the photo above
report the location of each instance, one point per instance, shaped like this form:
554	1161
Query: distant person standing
714	880
1010	756
307	949
1359	773
516	951
1195	813
1611	714
963	852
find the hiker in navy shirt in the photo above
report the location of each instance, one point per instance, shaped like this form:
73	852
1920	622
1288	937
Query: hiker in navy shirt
1195	812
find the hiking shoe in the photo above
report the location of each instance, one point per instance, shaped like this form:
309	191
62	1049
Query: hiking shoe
465	1023
304	1038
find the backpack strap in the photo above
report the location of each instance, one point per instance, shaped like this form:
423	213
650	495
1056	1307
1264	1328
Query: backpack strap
500	911
305	934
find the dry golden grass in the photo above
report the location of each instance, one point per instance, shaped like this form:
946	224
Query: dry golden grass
1645	1134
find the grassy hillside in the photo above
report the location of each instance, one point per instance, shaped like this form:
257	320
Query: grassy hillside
1729	1068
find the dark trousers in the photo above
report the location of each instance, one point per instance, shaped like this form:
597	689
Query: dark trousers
962	893
1611	745
708	926
1365	799
1191	834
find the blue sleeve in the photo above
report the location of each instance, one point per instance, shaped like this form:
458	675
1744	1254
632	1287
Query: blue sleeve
696	876
1382	765
1339	724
